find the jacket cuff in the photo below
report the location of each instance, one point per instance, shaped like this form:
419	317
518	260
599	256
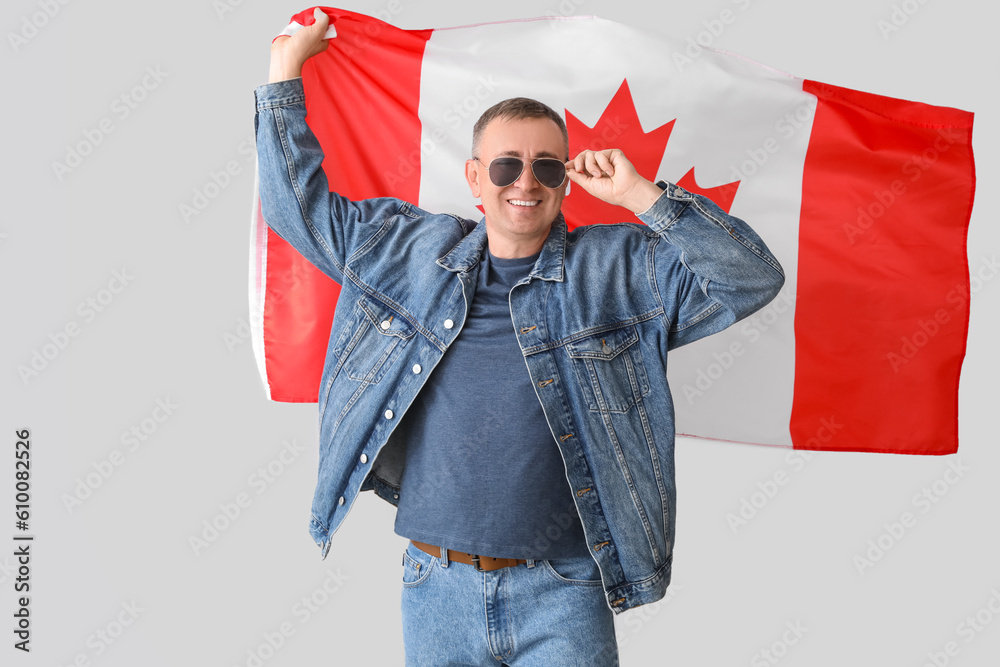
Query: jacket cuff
667	207
280	94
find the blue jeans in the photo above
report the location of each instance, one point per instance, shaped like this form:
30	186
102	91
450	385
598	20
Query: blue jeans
546	613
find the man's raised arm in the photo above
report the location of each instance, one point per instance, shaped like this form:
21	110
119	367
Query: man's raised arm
295	194
715	271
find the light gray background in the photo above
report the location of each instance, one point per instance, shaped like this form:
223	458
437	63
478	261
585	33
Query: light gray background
175	333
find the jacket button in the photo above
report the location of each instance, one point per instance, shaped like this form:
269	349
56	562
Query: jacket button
449	324
417	369
341	501
364	458
388	414
385	324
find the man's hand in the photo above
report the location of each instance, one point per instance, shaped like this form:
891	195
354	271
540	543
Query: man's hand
289	53
609	176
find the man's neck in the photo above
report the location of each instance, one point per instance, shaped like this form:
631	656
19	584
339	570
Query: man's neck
515	251
506	247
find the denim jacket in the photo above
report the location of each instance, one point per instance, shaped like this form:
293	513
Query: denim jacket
595	320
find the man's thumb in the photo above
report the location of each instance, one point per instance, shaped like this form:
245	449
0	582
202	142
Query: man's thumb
322	21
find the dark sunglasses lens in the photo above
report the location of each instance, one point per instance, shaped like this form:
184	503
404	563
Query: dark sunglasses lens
550	172
505	170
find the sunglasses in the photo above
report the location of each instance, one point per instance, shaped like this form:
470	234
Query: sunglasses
548	171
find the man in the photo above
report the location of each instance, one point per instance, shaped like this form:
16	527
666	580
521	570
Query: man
537	503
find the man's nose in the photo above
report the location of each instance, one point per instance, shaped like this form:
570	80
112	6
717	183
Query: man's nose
527	180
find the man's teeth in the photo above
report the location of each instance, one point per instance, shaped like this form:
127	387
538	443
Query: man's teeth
522	202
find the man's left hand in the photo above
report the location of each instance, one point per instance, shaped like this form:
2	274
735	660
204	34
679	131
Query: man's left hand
609	176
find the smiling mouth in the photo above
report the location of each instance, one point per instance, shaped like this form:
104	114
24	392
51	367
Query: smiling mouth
523	202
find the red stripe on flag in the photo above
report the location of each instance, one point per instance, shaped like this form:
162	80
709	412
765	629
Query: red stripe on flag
882	301
298	312
370	72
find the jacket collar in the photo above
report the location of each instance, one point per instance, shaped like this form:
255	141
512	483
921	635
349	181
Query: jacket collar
549	265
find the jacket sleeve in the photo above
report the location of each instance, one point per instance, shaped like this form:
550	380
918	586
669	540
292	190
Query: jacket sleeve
712	271
325	227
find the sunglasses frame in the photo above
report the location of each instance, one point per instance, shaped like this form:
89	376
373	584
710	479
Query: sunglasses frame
523	162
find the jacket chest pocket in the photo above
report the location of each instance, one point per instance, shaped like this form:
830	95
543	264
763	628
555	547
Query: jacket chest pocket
609	369
372	343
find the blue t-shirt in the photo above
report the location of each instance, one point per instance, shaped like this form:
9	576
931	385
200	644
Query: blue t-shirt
483	473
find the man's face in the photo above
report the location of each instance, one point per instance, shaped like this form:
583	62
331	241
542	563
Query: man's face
518	216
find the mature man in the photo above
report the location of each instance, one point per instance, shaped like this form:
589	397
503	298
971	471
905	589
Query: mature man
504	384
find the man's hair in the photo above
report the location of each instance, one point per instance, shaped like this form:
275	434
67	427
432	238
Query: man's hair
516	108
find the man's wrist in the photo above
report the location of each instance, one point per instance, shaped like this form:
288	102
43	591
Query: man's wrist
283	71
643	196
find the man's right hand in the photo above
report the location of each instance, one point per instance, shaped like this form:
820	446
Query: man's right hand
288	54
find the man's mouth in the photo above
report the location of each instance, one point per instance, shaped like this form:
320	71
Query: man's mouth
523	202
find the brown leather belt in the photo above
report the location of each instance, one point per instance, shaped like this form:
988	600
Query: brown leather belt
481	563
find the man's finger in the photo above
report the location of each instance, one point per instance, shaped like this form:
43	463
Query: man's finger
605	163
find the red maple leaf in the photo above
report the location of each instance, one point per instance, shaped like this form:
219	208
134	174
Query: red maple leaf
722	195
619	127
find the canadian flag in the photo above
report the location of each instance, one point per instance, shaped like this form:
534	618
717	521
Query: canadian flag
865	200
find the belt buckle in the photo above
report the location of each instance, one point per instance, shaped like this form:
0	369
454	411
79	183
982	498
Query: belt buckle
475	563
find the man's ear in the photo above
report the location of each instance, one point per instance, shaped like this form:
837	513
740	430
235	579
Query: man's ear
472	177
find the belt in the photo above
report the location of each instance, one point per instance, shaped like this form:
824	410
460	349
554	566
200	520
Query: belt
481	563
